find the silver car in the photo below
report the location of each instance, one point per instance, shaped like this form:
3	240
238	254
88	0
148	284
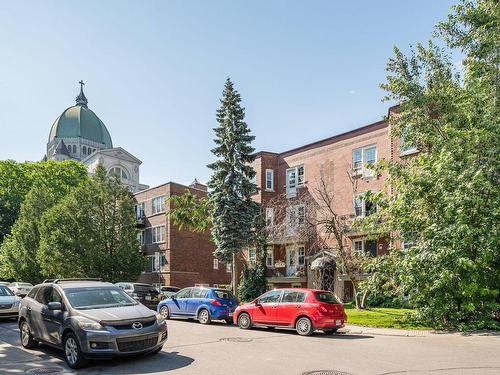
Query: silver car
9	303
89	319
20	289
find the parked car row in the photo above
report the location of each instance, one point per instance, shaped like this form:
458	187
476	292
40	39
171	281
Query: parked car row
305	310
18	288
88	318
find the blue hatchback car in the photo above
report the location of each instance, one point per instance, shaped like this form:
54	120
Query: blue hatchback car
204	304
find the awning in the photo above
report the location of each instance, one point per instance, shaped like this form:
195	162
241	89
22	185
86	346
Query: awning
323	262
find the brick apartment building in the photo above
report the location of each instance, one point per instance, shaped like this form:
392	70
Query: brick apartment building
175	257
291	180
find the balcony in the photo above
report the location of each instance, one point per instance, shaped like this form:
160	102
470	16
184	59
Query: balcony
140	221
286	274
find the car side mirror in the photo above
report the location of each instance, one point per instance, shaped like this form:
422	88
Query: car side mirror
54	306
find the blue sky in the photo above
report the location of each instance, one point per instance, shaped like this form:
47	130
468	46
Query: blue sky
154	71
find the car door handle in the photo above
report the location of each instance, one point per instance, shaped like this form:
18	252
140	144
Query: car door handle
298	306
29	308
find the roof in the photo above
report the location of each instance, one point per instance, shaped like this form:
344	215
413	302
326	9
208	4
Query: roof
79	121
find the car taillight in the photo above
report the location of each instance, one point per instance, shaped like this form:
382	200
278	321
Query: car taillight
215	302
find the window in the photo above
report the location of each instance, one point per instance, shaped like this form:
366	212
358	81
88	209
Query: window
294	179
269	287
228	268
369	246
358	245
406	147
269	180
199	293
84	150
252	255
120	172
300	175
74	149
362	159
270	257
302	256
216	264
293	296
269	216
363	207
69	148
295	217
158	204
139	210
270	297
158	234
140	238
183	293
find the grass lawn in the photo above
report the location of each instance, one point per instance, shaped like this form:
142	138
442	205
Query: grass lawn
381	317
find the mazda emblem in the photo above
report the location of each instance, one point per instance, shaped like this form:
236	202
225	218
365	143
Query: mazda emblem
137	325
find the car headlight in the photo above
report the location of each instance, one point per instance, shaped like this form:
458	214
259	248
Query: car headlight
160	319
90	325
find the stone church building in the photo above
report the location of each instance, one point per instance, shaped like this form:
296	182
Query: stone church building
79	134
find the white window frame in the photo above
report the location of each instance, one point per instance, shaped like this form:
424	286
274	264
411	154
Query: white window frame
229	268
253	258
299	180
158	208
162	234
409	149
139	210
270	257
269	216
362	168
360	197
141	238
294	218
301	253
354	242
216	264
269	180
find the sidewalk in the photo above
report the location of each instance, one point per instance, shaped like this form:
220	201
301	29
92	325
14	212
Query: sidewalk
361	330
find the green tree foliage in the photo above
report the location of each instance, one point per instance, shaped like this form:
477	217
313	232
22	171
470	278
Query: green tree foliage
92	233
16	180
190	212
447	198
27	190
233	210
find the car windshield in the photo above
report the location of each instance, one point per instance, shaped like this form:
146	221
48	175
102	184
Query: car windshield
98	298
223	294
4	291
326	297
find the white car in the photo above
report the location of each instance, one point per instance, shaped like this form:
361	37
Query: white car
20	289
9	303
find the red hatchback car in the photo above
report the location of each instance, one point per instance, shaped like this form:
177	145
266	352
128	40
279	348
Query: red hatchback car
306	310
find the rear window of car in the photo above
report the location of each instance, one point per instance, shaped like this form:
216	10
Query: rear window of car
223	294
326	297
4	291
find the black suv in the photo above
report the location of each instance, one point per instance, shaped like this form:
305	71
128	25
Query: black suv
144	293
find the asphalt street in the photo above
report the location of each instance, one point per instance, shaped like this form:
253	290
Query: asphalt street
193	348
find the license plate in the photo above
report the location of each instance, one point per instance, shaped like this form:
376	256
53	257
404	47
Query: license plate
148	298
338	322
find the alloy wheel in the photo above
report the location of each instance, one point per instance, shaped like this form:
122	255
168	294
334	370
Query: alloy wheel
304	327
71	350
25	334
164	312
244	321
203	316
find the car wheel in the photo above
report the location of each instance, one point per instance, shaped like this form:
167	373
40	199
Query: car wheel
72	353
27	339
204	316
304	326
330	331
244	321
229	321
165	312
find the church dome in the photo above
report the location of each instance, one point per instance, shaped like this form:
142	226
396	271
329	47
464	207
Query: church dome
79	121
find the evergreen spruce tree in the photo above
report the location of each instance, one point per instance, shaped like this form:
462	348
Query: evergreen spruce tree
232	209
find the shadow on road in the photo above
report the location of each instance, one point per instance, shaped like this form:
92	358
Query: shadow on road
144	364
317	334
